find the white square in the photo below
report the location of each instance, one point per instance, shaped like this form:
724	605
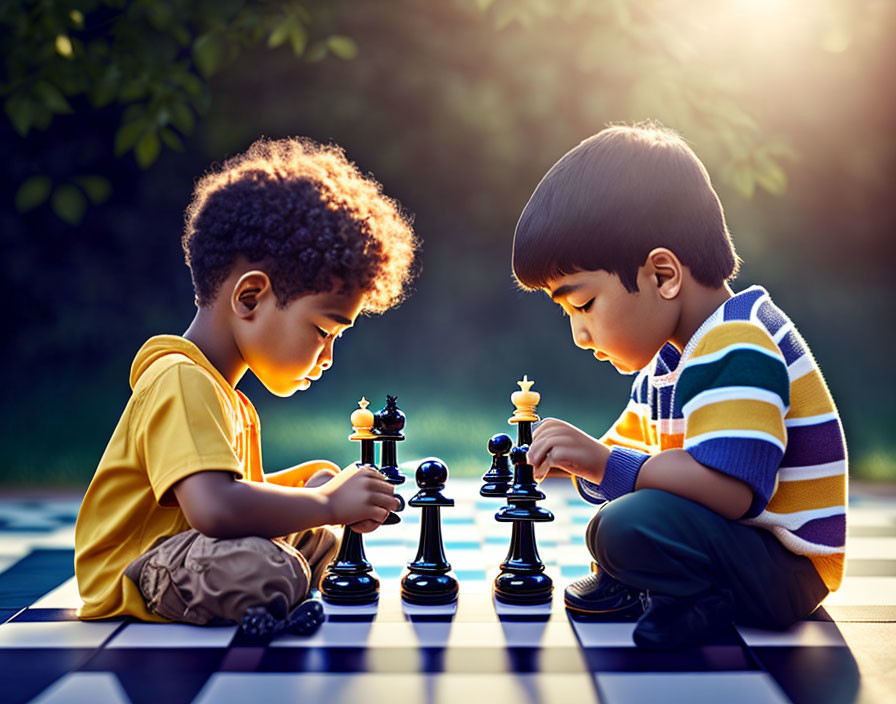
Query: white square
172	635
55	634
691	687
84	688
804	633
65	596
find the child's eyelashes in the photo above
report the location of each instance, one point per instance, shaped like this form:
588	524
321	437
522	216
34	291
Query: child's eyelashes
327	335
584	308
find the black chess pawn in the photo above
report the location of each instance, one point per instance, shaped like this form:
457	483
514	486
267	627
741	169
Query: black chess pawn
497	478
429	580
522	579
350	578
389	421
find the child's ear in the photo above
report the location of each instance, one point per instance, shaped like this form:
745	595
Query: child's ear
666	271
252	287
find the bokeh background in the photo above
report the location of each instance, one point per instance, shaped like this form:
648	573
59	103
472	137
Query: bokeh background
114	107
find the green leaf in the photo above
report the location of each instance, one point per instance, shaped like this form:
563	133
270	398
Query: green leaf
280	34
18	110
182	117
132	89
181	35
316	53
483	5
127	136
97	188
208	53
770	175
41	116
52	97
342	46
302	14
32	193
64	46
743	181
171	139
69	203
105	89
147	149
159	15
298	37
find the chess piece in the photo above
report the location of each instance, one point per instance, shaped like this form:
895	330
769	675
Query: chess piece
350	578
388	423
363	422
525	400
497	478
429	580
522	579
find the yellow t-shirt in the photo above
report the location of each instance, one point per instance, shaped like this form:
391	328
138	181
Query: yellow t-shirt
182	418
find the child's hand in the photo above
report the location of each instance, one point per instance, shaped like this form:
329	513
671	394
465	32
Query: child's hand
359	496
556	443
320	477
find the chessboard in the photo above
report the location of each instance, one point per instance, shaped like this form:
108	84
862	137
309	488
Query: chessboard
477	651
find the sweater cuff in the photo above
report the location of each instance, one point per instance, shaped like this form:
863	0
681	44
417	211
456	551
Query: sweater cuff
621	473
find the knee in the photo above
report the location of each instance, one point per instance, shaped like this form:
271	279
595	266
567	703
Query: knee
255	566
330	540
617	533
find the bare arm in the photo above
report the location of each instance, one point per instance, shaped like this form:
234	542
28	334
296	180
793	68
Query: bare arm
301	473
220	506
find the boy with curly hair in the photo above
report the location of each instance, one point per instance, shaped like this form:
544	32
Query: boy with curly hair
287	244
723	482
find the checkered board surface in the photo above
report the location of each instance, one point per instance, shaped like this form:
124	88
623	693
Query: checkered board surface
398	653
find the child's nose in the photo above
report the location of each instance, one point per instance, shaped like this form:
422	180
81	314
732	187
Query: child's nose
580	335
325	360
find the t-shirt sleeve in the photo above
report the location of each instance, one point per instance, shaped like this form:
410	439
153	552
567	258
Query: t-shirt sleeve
734	393
184	429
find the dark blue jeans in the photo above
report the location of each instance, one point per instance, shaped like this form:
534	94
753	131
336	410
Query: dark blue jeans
651	539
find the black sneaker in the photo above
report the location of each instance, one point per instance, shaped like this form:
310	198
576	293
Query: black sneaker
259	626
600	597
672	623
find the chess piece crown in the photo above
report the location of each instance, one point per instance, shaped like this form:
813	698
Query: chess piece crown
389	421
362	420
525	401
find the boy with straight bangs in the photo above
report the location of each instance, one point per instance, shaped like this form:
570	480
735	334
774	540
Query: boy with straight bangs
287	244
723	483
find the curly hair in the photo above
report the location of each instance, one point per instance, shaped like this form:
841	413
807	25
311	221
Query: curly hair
307	215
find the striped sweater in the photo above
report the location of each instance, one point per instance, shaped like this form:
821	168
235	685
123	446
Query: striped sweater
746	398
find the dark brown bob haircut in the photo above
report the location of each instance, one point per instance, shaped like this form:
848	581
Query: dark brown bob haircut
615	197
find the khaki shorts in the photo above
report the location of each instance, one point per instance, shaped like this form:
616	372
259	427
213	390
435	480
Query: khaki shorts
192	578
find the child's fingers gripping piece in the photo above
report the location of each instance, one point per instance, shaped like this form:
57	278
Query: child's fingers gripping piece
366	526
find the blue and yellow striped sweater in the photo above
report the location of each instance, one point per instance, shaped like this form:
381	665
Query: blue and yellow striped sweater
746	398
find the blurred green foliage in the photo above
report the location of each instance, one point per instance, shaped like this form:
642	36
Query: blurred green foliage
151	58
458	107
